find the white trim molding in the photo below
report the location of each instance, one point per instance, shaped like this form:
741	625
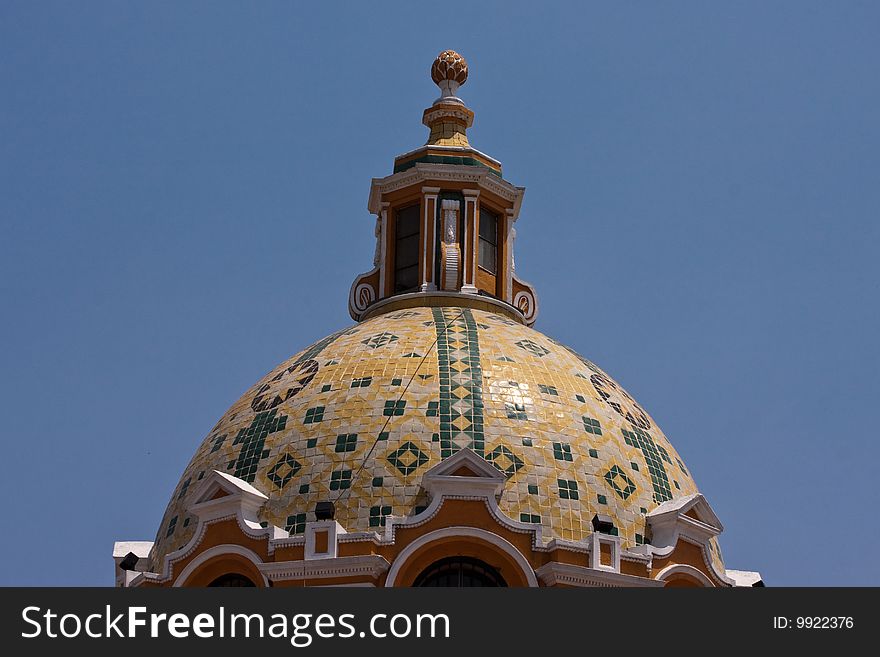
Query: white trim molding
218	551
684	569
690	519
372	565
484	484
597	540
333	530
140	549
458	532
555	573
424	173
747	578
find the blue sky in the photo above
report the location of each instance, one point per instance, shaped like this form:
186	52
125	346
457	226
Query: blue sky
183	194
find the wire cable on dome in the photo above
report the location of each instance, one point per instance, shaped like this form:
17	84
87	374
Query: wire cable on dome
369	453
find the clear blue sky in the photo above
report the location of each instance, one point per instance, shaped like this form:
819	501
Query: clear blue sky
183	193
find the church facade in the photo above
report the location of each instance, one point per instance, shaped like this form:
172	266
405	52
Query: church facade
441	440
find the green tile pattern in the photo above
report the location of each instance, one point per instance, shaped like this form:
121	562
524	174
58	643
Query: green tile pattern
653	460
461	381
184	487
380	340
505	460
340	479
394	407
562	452
592	426
568	489
296	523
313	415
252	440
346	442
284	470
218	442
617	479
378	514
533	347
407	458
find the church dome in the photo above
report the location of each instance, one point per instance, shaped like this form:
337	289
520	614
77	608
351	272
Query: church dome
358	417
441	439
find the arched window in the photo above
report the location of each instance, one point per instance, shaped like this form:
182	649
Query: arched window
459	572
232	579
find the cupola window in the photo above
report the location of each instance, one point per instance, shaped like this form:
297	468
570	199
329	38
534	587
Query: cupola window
406	249
488	241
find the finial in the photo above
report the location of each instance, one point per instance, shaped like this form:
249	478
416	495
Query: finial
449	71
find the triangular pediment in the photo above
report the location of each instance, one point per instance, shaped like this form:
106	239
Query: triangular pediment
466	463
693	506
218	485
464	473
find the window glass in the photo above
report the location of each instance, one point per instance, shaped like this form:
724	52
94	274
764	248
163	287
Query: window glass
488	254
406	251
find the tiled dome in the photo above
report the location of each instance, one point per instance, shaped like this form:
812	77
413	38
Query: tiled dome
411	387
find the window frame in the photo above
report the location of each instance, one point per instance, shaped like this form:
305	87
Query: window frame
396	269
496	218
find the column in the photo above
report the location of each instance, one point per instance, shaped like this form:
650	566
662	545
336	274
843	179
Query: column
471	240
428	238
383	262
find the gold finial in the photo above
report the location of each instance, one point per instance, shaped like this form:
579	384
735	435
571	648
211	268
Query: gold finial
449	71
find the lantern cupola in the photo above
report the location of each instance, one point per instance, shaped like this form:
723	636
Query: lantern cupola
445	220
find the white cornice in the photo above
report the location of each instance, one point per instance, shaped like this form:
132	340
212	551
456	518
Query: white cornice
745	577
554	573
423	172
372	565
141	549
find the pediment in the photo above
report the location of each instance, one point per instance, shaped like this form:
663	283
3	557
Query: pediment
465	473
694	507
466	463
218	485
